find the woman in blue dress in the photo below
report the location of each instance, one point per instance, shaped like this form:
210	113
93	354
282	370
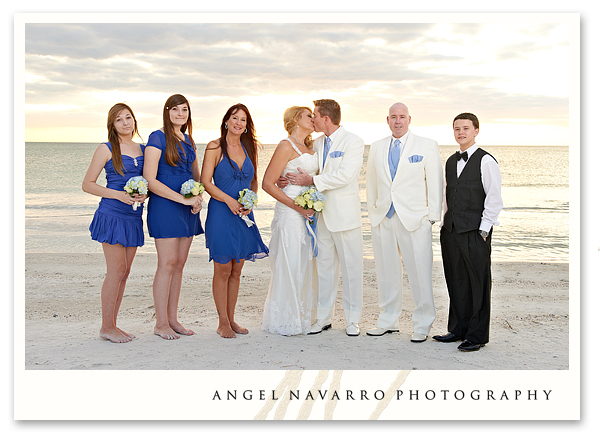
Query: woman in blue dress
173	220
116	224
230	166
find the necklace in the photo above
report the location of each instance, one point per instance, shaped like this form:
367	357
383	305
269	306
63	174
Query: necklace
295	140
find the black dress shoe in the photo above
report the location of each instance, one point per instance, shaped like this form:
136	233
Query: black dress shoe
316	328
469	346
448	338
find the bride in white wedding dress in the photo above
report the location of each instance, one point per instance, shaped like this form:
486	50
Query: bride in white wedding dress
291	298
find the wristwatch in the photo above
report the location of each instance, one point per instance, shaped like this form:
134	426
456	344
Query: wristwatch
483	233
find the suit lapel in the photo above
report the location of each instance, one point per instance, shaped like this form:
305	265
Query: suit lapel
410	141
384	154
319	145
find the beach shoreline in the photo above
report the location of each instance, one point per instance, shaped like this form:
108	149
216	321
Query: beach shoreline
529	327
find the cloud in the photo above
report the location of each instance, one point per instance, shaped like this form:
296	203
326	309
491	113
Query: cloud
434	68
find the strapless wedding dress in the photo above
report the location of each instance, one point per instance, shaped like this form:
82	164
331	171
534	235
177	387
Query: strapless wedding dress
290	303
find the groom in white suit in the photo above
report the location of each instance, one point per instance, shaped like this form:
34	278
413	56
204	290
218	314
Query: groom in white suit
404	199
339	236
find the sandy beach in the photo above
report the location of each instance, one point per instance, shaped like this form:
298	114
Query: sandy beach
62	319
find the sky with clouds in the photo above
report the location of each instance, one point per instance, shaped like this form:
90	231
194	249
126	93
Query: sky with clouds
514	74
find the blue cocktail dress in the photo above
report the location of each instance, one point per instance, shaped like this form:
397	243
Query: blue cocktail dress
114	221
166	218
227	235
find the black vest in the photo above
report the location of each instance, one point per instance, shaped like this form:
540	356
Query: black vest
465	195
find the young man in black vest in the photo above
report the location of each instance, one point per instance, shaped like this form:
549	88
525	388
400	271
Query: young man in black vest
472	203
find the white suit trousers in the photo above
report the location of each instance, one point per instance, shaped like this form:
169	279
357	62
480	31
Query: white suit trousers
339	250
392	243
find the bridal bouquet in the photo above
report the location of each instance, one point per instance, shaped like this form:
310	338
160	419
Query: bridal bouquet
191	188
136	185
248	199
311	199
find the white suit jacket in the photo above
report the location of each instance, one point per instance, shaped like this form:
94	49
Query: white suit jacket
338	180
417	188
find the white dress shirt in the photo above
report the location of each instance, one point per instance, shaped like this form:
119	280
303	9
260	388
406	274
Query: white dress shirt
492	183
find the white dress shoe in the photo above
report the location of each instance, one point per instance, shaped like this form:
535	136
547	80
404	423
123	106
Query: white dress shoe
352	329
418	338
319	326
376	332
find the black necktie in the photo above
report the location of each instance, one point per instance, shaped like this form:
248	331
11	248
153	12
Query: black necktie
462	155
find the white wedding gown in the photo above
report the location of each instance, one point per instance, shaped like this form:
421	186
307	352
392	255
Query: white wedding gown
290	303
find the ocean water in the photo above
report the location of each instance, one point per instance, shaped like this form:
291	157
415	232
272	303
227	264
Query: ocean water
534	224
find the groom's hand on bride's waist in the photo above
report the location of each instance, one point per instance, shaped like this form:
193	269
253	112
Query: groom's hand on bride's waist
303	178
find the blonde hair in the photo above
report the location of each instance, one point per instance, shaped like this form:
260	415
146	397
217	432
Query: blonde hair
290	119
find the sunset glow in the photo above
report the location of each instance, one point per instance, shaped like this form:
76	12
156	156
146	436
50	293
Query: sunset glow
505	71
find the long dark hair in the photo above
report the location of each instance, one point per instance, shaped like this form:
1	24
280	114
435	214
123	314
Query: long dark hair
113	136
248	138
173	143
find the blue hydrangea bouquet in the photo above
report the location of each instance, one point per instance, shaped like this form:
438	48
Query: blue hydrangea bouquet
136	185
248	199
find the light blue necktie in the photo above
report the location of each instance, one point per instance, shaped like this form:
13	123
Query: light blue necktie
393	160
326	149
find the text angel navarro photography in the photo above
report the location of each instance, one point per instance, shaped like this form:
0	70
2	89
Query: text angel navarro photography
400	395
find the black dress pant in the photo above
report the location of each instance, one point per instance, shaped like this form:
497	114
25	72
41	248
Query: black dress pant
467	268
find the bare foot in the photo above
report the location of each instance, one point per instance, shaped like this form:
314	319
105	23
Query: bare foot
126	334
115	336
180	329
166	332
238	329
225	331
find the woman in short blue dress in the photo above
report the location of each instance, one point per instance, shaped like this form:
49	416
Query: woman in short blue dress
230	166
116	224
173	220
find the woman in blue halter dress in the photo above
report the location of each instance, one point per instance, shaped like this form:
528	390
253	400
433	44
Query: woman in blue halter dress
173	220
230	166
116	224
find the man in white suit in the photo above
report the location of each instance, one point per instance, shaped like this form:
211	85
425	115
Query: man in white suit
404	199
339	236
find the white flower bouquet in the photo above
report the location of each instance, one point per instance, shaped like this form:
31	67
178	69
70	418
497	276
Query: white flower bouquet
248	199
136	185
311	199
191	188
